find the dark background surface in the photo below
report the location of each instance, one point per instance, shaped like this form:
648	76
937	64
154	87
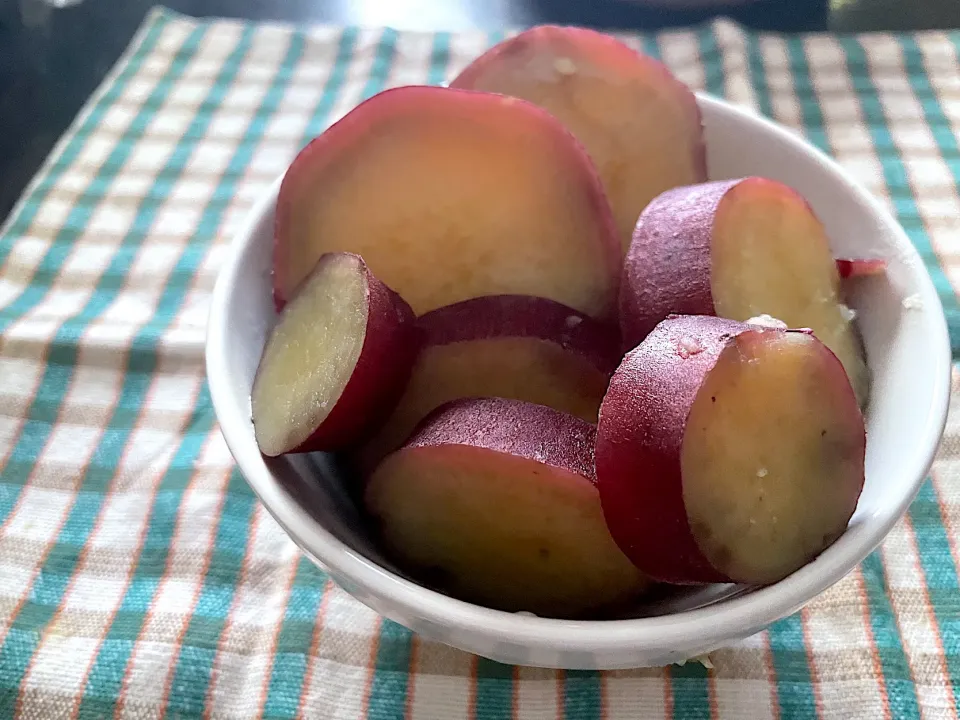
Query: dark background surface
52	58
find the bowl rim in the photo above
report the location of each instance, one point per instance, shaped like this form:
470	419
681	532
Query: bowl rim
733	617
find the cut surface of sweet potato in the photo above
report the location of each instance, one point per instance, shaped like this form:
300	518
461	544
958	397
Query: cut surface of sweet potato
448	195
728	452
771	255
338	357
738	249
494	502
638	122
772	457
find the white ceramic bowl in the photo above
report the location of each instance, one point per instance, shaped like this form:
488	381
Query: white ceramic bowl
908	353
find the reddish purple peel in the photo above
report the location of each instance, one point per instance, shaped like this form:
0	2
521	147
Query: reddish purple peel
525	430
860	267
639	439
524	316
667	269
390	345
350	189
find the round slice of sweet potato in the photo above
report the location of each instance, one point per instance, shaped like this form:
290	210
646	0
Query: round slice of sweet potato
511	346
495	502
738	249
638	122
335	363
728	452
449	195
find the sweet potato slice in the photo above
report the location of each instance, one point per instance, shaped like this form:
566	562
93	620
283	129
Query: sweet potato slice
728	452
738	249
494	501
638	122
335	363
449	195
510	346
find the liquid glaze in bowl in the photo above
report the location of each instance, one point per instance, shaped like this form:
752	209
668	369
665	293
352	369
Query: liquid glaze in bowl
908	352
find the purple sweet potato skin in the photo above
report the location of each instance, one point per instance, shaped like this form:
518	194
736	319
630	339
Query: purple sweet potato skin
390	347
667	268
860	267
512	427
639	438
494	316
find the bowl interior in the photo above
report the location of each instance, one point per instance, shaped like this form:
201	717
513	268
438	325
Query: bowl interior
900	319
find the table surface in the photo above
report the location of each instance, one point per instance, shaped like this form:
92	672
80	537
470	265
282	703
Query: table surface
142	577
51	58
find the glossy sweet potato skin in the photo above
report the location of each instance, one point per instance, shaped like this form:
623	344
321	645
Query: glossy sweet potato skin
639	441
667	269
494	501
547	436
658	460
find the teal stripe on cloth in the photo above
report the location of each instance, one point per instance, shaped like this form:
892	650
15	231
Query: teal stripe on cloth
63	353
294	642
494	699
933	113
810	114
341	64
651	46
106	675
23	218
948	147
439	58
901	693
47	590
897	180
495	37
758	75
391	673
582	695
790	664
82	210
712	61
197	651
691	691
940	574
382	61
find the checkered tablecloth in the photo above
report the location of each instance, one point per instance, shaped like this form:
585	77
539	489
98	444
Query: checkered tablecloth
139	578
